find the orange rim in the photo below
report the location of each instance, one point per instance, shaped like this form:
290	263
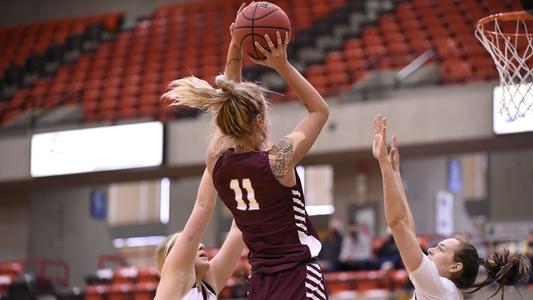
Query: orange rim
508	16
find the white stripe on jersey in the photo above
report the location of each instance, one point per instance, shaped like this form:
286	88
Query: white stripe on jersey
299	218
298	201
312	243
302	226
299	210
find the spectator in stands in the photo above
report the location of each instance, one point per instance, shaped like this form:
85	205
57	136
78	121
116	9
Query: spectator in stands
356	249
186	272
331	247
388	255
453	264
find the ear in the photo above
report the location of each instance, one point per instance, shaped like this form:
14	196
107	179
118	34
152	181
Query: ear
456	267
259	121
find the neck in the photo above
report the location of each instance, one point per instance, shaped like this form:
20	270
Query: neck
245	146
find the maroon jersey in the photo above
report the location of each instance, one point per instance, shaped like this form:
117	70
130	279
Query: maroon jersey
271	217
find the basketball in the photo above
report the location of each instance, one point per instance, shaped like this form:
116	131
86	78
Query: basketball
256	20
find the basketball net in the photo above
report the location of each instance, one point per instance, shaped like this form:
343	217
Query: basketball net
509	41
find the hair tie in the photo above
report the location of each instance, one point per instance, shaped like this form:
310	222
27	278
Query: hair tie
224	84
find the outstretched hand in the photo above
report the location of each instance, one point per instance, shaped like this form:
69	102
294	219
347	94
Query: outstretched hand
232	26
379	146
394	155
276	57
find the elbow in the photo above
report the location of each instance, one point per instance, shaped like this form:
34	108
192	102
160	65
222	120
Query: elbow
398	224
326	111
323	113
205	203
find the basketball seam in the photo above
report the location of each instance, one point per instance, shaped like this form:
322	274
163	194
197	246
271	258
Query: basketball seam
275	27
268	14
253	34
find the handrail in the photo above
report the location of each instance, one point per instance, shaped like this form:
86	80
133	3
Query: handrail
413	66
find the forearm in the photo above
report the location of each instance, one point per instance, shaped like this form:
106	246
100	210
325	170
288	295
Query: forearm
410	218
233	68
309	96
396	210
223	264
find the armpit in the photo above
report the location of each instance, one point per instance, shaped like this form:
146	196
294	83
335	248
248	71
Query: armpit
281	159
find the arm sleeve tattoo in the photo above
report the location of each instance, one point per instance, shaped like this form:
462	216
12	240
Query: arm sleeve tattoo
284	151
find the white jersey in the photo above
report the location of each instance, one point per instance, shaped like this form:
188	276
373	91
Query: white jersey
204	292
429	285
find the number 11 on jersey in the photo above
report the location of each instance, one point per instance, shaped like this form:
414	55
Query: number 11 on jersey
250	194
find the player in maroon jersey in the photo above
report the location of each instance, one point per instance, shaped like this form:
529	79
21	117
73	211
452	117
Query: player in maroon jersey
185	271
257	181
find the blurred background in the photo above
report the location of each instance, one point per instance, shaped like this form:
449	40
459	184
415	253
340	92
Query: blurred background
95	169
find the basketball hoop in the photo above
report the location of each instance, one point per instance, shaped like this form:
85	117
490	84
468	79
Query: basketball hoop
508	37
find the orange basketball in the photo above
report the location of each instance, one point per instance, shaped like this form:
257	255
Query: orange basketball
256	20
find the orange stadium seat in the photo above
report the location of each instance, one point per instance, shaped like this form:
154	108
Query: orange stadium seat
96	292
137	64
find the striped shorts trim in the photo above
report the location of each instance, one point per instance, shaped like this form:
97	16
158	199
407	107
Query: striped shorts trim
314	283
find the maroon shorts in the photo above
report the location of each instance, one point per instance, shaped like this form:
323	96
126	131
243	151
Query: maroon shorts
300	283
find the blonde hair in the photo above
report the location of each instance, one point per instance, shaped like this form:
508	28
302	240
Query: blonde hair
163	249
234	106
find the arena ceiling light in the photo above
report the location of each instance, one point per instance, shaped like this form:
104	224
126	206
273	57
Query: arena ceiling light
97	149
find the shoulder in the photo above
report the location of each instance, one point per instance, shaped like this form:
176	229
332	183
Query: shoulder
429	283
280	157
212	160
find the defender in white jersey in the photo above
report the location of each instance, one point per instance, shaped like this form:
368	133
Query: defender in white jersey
451	267
186	272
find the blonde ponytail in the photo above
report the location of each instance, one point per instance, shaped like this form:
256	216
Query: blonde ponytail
234	106
196	93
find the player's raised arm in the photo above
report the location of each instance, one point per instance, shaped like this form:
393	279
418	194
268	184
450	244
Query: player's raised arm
397	212
178	274
308	129
233	70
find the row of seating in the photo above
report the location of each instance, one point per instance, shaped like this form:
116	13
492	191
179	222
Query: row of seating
20	42
137	66
411	29
125	78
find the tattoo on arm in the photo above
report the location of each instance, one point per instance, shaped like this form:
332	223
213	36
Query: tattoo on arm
284	152
231	60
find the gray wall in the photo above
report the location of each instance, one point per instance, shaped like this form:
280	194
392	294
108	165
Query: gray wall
423	178
421	117
56	224
182	197
14	157
14	226
511	185
61	228
27	11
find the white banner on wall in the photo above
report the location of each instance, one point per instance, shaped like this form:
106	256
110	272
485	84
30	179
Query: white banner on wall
444	213
97	149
